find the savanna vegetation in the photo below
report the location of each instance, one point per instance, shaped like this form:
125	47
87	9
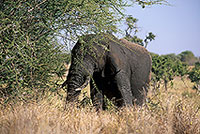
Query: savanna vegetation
35	37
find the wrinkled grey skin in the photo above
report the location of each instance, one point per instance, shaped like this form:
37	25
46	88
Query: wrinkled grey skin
119	68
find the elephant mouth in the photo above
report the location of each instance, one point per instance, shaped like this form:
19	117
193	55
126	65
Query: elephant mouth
73	96
84	85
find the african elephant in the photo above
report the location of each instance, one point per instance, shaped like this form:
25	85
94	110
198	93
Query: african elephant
115	68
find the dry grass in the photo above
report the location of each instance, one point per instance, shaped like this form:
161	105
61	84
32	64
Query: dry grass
173	112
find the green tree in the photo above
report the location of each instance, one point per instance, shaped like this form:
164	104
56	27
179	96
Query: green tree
162	69
194	76
30	55
165	68
188	57
144	3
131	23
172	56
132	30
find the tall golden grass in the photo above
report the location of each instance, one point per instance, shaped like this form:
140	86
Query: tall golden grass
173	112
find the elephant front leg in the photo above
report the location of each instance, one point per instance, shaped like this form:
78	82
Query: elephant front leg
97	98
123	84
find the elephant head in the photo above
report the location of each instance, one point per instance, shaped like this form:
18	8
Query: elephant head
86	58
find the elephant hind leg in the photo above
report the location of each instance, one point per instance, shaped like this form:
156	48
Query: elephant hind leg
123	85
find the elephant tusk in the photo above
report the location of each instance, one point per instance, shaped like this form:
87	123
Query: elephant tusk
78	89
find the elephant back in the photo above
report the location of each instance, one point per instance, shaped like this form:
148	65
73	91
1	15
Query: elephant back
142	60
135	47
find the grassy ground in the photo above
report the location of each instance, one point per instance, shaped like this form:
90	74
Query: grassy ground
173	112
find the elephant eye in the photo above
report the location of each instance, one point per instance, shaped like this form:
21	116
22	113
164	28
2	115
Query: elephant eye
84	78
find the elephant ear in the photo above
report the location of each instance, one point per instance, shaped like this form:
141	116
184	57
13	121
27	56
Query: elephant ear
112	66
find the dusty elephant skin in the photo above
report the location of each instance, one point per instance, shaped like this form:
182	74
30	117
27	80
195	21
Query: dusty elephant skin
116	68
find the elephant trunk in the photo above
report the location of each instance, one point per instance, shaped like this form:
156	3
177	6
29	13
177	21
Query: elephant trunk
77	80
72	95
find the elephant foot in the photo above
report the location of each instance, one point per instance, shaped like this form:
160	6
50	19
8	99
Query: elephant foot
139	98
73	97
98	101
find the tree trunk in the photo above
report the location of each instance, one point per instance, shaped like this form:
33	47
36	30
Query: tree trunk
165	82
198	86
